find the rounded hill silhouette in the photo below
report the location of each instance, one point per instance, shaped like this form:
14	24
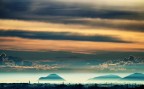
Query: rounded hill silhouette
134	77
52	77
106	77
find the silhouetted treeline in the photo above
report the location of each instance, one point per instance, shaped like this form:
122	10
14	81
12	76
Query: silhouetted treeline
68	86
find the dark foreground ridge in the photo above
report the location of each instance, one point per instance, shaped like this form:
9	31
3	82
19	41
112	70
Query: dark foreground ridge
68	86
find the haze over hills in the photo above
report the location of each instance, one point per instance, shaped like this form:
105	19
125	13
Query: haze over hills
132	78
52	77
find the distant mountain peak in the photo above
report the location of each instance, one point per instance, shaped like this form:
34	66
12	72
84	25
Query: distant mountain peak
52	77
135	76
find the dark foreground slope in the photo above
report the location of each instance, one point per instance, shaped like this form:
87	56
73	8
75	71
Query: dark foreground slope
68	86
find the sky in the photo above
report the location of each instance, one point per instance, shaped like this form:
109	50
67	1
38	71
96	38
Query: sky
72	36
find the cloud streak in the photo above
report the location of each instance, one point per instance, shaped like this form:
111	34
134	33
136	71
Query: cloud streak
116	29
65	45
59	36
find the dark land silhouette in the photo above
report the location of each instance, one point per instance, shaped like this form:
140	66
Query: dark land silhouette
68	86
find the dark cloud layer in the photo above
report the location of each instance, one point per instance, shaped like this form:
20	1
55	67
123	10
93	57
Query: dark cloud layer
61	56
11	8
56	12
18	9
72	61
59	36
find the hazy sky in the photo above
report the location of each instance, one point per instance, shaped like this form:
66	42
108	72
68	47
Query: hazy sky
72	35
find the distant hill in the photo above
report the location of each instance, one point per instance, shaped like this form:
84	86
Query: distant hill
134	77
106	77
52	77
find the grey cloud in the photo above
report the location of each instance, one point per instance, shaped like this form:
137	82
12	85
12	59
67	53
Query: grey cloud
18	9
131	60
60	36
7	60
